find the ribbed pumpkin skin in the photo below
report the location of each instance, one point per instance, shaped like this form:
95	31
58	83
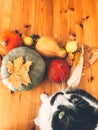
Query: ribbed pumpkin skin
12	40
58	71
37	68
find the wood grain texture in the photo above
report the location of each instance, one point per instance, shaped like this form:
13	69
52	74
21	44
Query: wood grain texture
54	18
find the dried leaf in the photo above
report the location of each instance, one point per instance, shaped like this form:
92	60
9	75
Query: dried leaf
90	55
75	61
70	59
87	54
19	72
94	56
10	67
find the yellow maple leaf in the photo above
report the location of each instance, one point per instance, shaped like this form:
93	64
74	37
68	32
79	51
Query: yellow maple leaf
19	72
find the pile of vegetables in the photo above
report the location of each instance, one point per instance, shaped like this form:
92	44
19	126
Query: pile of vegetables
29	53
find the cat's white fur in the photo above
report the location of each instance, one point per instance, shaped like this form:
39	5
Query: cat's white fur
46	110
44	114
96	127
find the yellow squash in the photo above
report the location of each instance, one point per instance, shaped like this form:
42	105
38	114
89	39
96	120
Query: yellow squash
48	47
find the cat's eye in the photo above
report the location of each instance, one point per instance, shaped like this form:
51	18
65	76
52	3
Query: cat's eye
61	115
74	100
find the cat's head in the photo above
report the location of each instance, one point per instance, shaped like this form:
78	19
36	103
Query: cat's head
68	110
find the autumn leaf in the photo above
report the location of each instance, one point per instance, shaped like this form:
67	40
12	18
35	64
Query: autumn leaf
90	55
19	72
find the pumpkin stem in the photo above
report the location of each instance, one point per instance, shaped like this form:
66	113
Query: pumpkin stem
4	43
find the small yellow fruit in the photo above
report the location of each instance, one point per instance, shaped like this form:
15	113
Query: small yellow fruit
71	46
28	41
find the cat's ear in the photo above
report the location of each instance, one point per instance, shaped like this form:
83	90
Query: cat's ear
44	97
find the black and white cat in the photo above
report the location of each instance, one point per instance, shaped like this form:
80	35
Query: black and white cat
68	110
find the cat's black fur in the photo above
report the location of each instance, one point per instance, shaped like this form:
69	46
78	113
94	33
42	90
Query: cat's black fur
73	109
83	116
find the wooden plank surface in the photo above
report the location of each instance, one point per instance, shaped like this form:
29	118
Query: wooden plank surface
53	18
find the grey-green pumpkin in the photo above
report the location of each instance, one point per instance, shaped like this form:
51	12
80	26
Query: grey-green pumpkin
37	69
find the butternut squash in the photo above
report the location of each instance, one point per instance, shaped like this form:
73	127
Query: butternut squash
48	47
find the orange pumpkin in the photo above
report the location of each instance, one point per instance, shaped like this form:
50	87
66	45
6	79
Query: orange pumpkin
9	40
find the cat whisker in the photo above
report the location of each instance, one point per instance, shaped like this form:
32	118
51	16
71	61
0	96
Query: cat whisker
75	119
66	124
61	76
80	102
64	120
83	104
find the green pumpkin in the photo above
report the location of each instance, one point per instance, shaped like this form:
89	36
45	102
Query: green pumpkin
37	69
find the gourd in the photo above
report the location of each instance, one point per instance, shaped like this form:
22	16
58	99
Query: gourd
27	40
58	71
9	40
48	47
36	71
71	46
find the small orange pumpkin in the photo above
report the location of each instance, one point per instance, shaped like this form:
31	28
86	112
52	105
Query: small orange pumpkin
9	40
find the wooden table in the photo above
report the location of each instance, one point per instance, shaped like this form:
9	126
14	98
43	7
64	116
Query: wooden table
56	18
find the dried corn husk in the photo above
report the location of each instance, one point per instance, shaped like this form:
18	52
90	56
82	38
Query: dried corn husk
75	77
